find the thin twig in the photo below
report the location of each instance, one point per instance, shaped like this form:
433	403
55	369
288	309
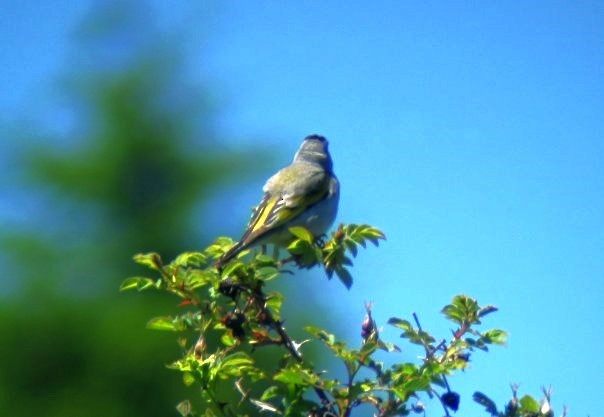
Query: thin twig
442	403
287	341
218	404
392	402
427	348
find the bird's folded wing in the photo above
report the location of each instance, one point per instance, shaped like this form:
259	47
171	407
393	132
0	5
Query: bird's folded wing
280	206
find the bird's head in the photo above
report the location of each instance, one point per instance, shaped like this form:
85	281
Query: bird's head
314	149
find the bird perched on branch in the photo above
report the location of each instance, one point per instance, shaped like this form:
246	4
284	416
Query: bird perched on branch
304	193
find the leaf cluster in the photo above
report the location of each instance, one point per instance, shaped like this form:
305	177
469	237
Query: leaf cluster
229	312
525	406
232	305
337	253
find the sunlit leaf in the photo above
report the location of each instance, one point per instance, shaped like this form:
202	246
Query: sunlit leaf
321	334
302	234
387	346
162	323
151	260
232	268
270	392
198	278
453	313
228	339
296	375
529	405
139	283
274	302
495	336
184	408
188	379
190	259
400	323
235	364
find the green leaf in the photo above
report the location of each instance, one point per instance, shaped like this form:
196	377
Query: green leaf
495	336
188	379
404	370
151	260
228	339
297	247
344	276
263	260
219	247
296	375
306	253
453	313
184	408
235	365
209	413
267	273
302	234
190	259
232	268
415	384
162	323
387	346
321	334
373	232
139	283
400	323
368	348
273	302
357	238
198	278
270	392
462	309
352	247
487	310
529	405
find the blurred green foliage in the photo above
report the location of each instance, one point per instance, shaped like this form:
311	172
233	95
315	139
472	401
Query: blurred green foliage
141	157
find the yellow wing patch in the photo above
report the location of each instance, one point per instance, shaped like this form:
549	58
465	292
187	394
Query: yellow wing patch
266	211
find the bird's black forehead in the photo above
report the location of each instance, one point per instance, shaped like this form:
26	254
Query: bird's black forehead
316	137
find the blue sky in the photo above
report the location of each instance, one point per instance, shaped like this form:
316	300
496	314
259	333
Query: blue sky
470	132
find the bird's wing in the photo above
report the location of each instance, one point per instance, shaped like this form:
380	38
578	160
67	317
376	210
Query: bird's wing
287	194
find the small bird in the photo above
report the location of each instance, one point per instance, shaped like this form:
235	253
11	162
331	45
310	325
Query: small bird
305	193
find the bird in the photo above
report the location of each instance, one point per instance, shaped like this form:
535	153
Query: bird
305	193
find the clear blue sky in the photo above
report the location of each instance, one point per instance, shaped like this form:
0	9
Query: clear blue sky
472	133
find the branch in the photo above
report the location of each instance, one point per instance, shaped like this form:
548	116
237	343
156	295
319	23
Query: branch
277	325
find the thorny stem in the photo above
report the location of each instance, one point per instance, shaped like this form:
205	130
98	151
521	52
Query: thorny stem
419	327
350	381
446	383
430	351
217	404
442	403
259	298
287	341
392	402
456	336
